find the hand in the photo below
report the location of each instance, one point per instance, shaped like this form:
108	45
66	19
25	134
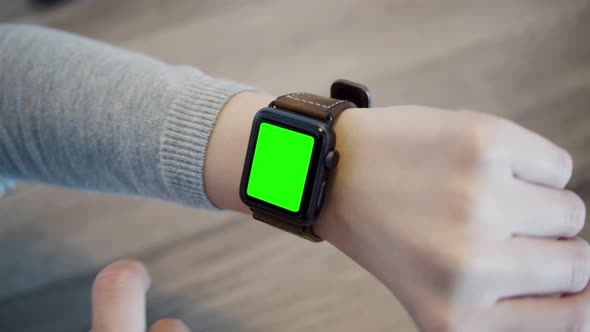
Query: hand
463	216
118	300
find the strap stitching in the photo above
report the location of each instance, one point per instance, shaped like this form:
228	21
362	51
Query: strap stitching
292	96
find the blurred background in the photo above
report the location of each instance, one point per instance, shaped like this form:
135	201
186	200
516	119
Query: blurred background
528	60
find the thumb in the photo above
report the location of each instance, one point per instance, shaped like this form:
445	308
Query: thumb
118	297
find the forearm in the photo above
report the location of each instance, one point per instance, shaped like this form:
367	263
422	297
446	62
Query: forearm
85	115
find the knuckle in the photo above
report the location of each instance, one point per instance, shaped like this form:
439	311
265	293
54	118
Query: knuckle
492	124
119	276
478	268
575	216
566	163
168	325
480	136
580	268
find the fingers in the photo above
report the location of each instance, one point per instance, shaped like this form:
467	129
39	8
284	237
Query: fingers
169	325
532	157
547	314
118	297
542	267
544	212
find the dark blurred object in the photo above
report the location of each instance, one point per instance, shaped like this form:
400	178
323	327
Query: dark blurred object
45	3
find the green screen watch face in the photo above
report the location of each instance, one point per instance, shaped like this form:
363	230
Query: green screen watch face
280	166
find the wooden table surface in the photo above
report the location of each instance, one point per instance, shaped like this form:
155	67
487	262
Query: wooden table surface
528	60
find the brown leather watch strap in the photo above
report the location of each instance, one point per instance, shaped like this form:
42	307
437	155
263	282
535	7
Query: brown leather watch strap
305	232
318	107
312	105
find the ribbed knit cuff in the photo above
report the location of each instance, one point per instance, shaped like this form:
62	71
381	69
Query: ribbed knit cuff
186	133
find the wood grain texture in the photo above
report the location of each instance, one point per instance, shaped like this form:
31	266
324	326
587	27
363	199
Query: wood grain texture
528	60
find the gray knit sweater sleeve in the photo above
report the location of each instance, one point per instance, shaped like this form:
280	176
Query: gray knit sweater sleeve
85	115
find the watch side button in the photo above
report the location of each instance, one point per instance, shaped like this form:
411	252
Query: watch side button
332	159
321	195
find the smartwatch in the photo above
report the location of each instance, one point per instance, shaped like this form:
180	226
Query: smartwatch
291	155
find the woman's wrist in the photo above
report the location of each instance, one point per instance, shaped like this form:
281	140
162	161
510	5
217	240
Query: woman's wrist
331	225
226	153
227	146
